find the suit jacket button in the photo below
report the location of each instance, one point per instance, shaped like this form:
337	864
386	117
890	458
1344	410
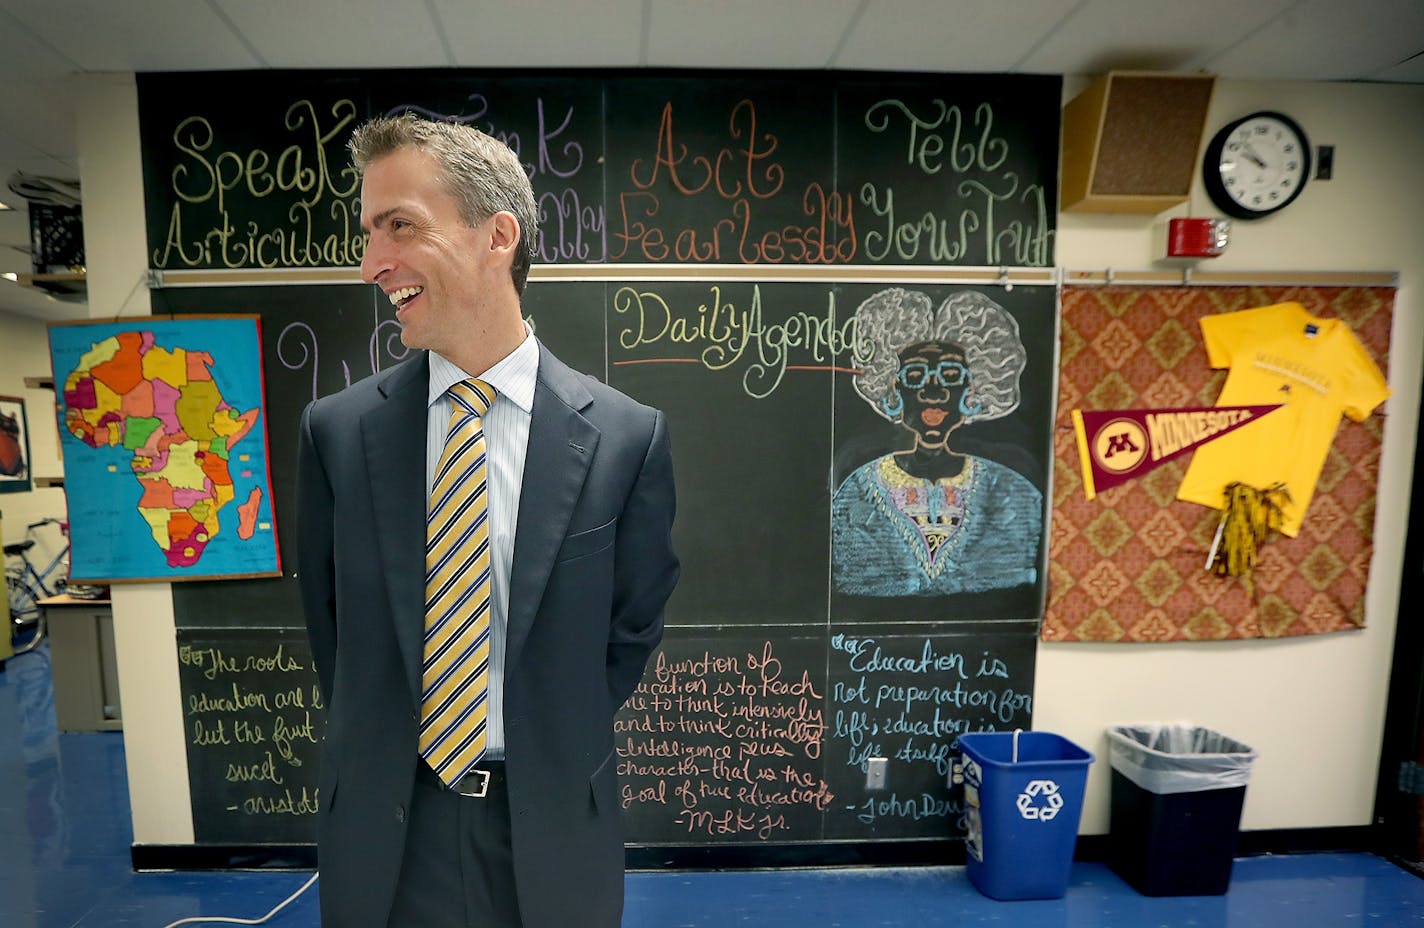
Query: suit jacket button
400	814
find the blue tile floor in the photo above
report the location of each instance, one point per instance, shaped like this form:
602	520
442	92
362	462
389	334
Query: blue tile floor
65	833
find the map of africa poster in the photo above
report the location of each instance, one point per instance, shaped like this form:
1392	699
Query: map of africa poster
163	429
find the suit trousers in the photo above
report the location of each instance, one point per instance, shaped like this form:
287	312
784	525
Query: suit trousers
458	869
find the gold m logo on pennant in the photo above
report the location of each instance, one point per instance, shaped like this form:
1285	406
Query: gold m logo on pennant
1120	446
1115	445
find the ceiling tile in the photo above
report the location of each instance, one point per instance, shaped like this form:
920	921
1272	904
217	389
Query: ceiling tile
389	34
1406	72
155	35
962	35
25	54
543	33
1328	40
1106	35
767	34
38	124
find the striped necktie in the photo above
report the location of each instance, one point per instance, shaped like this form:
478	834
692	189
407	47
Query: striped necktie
454	679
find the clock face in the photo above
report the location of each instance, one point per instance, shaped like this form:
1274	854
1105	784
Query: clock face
1257	165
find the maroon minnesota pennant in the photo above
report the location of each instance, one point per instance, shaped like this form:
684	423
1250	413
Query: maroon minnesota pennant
1116	445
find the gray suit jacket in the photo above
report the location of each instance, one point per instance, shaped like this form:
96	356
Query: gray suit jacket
593	567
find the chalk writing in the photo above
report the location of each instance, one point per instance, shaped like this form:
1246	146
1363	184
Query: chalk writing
252	710
720	335
731	182
570	155
725	745
975	220
908	699
926	136
218	217
298	348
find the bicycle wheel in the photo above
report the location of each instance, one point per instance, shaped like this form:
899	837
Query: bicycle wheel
24	610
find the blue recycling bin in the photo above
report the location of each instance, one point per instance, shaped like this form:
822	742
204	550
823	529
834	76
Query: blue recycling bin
1023	793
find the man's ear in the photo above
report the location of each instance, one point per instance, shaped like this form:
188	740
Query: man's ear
504	233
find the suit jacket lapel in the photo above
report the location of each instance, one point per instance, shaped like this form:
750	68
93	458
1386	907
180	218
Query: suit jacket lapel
561	446
393	436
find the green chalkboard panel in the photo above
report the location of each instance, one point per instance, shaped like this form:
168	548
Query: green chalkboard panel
723	172
761	736
250	170
948	522
252	717
953	169
749	409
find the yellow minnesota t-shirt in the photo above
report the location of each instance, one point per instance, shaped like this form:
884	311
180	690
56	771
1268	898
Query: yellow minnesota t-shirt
1317	368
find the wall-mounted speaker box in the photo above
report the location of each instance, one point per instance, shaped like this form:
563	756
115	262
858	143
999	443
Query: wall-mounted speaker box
1130	142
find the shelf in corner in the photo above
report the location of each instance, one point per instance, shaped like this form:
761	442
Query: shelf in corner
65	286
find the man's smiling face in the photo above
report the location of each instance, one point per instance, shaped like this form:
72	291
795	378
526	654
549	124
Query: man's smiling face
422	255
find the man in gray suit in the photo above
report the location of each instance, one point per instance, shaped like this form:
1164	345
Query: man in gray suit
578	565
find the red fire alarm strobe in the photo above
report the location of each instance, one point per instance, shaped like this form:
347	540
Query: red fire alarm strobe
1197	238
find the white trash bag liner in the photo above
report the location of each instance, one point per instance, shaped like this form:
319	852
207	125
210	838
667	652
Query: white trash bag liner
1179	758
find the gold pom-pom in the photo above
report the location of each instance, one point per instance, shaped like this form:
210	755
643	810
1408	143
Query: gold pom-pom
1250	518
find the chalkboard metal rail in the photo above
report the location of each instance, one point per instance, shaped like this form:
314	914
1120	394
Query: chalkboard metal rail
847	273
242	277
843	273
1189	277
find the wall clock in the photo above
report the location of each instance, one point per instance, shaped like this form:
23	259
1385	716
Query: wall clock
1256	165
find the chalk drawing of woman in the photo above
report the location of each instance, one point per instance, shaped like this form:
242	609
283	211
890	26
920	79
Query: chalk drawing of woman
931	521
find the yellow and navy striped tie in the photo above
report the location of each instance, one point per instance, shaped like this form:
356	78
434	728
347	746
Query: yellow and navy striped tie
455	676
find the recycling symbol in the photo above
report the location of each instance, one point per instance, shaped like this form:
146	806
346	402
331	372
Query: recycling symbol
1040	800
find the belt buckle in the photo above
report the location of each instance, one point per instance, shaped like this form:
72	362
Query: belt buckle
476	790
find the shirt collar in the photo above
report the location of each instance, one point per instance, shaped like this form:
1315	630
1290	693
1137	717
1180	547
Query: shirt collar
513	376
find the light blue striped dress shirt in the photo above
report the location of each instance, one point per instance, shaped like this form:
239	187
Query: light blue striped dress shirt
506	427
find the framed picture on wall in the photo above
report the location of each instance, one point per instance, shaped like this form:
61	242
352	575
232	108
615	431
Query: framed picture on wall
14	446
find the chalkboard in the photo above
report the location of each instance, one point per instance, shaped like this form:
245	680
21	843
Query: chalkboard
735	737
724	172
751	440
251	722
1015	440
666	168
231	182
763	377
950	169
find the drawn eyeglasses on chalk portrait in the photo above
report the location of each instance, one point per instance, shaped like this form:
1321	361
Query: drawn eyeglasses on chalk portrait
916	374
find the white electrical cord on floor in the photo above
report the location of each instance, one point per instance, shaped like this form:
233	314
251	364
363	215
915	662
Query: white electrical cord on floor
246	921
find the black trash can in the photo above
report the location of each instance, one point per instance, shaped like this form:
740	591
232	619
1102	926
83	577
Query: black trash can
1177	792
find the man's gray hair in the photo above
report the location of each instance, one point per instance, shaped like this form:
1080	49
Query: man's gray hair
480	172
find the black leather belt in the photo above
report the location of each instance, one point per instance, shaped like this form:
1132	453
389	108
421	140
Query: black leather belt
481	782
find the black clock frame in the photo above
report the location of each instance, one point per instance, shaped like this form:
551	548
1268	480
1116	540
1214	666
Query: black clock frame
1211	167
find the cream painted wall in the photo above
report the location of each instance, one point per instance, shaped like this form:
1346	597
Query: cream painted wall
24	352
1314	708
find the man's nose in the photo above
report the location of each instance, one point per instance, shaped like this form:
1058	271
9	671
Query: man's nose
376	260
